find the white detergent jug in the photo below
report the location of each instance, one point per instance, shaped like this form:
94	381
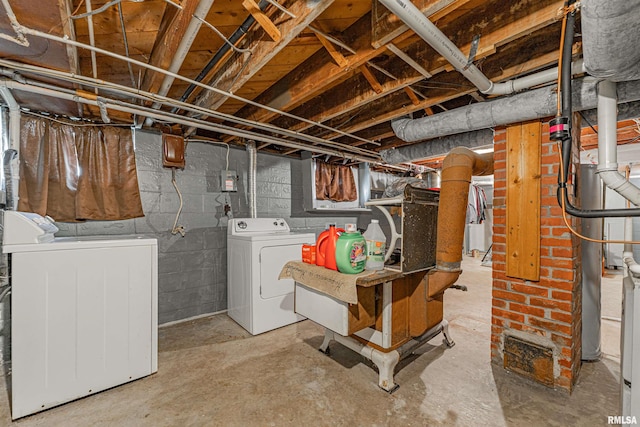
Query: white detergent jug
376	246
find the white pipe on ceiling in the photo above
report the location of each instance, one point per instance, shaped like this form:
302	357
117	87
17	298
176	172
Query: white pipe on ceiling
33	32
183	49
414	19
20	37
148	96
174	118
608	144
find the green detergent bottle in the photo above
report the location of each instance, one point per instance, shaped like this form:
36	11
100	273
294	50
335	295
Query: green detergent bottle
351	251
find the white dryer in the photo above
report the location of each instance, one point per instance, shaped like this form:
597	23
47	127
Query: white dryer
257	249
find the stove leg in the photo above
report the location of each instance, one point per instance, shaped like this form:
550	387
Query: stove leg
445	331
328	337
386	363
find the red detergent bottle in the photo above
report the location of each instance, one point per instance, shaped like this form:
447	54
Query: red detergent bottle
326	247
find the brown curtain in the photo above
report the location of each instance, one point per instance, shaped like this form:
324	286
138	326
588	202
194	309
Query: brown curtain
77	173
335	182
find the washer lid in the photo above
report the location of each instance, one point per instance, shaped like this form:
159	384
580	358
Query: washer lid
83	242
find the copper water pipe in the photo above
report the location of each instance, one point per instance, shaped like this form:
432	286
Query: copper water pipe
457	169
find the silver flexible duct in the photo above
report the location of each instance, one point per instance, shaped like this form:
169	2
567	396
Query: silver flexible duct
12	155
253	167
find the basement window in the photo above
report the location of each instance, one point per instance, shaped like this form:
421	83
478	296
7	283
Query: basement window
312	203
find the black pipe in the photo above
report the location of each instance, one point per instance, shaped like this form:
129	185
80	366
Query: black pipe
237	35
567	110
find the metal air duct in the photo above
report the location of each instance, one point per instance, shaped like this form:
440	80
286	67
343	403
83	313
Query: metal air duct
457	169
610	34
530	105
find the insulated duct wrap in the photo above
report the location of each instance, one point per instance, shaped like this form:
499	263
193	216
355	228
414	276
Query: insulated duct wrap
437	147
531	105
610	34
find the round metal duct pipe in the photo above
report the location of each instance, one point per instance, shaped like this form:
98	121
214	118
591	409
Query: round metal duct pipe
253	169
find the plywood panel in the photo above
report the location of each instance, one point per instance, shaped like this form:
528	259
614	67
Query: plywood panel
523	201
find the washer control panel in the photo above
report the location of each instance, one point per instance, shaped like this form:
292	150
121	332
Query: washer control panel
257	226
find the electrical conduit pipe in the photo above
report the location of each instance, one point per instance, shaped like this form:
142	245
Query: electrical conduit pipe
457	169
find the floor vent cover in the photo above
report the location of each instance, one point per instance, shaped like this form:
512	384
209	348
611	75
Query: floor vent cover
531	360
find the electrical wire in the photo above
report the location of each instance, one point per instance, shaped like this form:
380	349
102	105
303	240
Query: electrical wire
126	45
37	33
282	8
154	97
114	2
226	40
211	141
564	211
177	228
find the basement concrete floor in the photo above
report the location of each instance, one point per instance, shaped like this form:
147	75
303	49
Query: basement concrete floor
213	373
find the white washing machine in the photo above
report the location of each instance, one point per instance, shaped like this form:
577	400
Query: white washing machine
257	249
84	314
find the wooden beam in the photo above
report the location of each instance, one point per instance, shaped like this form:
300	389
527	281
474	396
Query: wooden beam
523	200
348	97
410	61
267	25
375	84
313	77
72	51
412	96
239	70
69	31
331	49
531	65
172	29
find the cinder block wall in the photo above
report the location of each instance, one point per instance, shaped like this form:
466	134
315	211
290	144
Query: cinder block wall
546	313
193	269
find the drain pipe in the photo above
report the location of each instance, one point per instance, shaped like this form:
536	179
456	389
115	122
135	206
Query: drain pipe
12	154
253	166
457	169
608	144
181	53
422	26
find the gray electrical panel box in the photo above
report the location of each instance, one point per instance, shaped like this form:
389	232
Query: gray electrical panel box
228	181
